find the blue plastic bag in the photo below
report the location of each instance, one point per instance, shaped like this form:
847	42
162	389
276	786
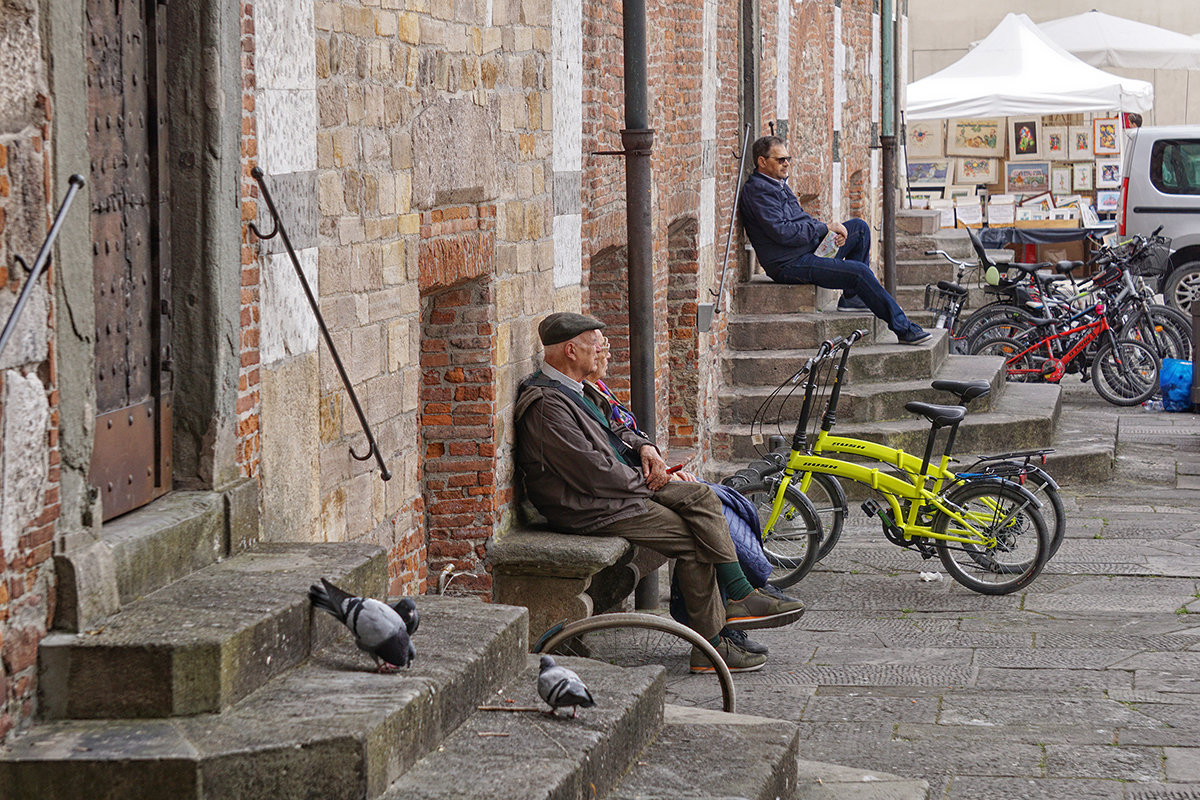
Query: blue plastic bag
1175	380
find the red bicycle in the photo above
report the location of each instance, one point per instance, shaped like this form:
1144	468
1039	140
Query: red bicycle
1124	372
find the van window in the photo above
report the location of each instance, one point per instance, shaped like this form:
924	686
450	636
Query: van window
1175	166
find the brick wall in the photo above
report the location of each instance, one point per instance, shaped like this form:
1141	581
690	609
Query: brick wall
248	445
29	402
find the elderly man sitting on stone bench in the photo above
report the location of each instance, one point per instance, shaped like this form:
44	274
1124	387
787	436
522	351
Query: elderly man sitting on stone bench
590	475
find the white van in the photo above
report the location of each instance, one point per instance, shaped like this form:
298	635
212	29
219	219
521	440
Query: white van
1161	187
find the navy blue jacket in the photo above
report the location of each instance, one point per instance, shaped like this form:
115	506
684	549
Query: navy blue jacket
778	227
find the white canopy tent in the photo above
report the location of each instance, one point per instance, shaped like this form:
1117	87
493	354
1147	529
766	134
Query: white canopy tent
1017	70
1103	40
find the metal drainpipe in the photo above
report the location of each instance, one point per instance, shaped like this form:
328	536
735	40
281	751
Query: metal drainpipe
638	141
887	141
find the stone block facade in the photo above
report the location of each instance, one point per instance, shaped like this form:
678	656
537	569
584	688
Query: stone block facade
438	168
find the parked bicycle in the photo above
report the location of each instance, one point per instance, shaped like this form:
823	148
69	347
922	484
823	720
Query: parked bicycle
987	529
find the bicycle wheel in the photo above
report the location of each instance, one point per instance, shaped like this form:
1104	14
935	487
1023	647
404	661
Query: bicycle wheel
1019	366
1126	375
1009	517
635	640
1043	487
829	500
1018	328
986	315
1172	332
793	545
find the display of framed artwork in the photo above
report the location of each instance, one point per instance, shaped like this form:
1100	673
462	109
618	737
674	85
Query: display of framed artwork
1107	201
1054	143
931	174
919	198
1087	213
1081	177
1079	142
981	138
1024	135
1106	136
925	138
1060	179
1027	177
976	170
1108	173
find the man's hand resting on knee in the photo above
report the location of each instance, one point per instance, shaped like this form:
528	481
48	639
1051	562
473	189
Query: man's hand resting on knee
654	468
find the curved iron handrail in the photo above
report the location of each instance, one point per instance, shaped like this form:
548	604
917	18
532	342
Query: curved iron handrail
281	232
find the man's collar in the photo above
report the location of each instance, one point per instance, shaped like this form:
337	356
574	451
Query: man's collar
554	375
769	178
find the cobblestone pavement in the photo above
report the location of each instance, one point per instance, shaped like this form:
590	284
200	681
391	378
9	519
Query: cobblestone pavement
1086	685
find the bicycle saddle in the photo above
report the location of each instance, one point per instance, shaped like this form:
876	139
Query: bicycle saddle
966	391
1028	269
951	286
940	416
1066	267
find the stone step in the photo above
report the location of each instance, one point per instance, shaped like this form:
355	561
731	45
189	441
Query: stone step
885	359
529	755
761	295
864	401
207	640
804	329
1023	418
928	269
710	755
953	241
331	728
821	781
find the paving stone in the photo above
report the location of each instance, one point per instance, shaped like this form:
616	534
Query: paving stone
1052	680
1183	764
1142	764
972	788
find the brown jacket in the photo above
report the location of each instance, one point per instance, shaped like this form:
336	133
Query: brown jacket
570	470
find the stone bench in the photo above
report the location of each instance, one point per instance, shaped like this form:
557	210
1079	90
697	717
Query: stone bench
564	577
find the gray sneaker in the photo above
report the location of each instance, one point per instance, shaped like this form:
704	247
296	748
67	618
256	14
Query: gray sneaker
737	659
760	610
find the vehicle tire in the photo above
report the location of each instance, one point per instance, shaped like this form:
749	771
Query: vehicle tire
1176	328
1019	367
635	640
793	547
1000	510
1017	328
1127	375
986	315
1182	287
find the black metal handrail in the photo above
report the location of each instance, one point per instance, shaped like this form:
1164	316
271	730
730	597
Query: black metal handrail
279	230
76	181
719	294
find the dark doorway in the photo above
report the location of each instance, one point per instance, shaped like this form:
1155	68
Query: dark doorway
127	146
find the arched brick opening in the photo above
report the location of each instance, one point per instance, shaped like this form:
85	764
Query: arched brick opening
856	195
608	296
683	269
458	432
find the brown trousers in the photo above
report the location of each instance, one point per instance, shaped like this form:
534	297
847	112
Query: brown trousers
684	521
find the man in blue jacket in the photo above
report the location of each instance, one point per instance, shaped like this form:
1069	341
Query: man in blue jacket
785	238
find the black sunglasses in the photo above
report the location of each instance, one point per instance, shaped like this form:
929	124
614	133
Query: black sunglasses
783	160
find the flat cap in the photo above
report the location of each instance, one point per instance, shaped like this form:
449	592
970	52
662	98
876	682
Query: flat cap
564	325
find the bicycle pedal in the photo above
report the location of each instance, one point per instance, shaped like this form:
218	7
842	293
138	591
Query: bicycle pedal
871	507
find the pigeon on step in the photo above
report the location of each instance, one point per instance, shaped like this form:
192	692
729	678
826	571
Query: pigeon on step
378	628
406	607
561	687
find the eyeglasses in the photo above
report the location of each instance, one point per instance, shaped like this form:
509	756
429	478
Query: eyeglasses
784	160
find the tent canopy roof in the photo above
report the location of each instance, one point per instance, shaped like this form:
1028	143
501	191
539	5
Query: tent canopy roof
1016	70
1103	40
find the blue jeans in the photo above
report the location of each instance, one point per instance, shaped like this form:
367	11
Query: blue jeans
849	272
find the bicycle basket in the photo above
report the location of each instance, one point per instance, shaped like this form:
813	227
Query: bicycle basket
1154	259
938	300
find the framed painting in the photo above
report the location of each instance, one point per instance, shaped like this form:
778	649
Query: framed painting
1081	177
1060	179
1087	214
1107	201
1054	143
935	173
981	138
965	194
1108	173
1024	135
976	170
1027	177
1079	142
925	138
919	198
1106	136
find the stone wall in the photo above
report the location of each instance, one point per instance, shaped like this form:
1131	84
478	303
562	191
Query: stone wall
29	414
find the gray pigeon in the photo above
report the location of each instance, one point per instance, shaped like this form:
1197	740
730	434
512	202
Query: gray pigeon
561	687
406	607
377	627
